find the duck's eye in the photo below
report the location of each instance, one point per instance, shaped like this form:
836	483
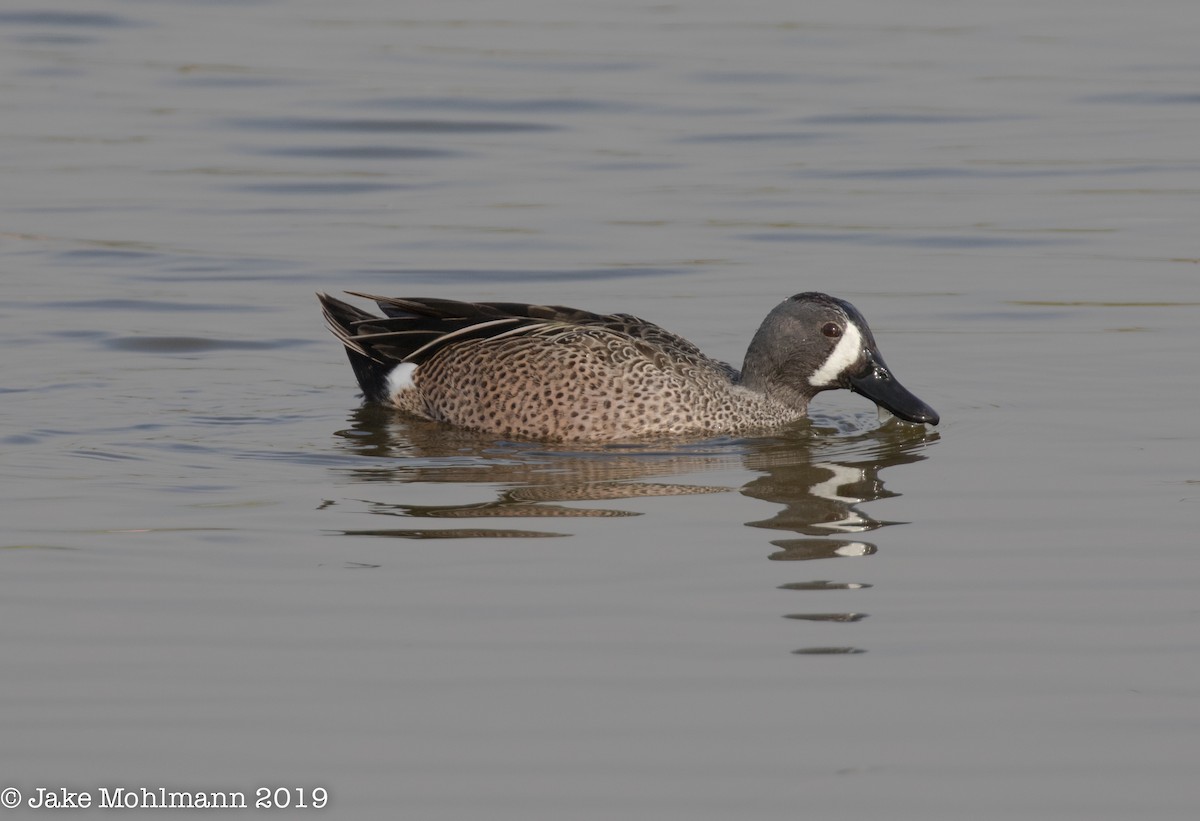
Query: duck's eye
831	330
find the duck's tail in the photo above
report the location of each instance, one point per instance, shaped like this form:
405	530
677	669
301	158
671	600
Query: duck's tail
413	330
350	325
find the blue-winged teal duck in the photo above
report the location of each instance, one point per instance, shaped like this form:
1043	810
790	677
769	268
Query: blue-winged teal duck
554	373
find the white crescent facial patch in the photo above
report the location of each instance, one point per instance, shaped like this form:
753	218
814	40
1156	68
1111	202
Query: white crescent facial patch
846	353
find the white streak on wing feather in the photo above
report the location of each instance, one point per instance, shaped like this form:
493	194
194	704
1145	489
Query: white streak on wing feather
538	329
390	334
348	340
845	354
461	332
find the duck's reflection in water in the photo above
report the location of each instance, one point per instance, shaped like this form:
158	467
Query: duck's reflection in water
820	494
524	479
818	473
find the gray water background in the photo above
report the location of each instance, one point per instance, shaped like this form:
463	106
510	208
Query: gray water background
219	573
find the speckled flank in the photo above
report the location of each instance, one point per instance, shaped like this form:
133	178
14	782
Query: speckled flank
555	373
585	384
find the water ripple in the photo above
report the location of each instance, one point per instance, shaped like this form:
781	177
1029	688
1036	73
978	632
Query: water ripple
358	152
80	19
1144	98
555	105
929	241
884	118
142	305
957	172
482	275
758	137
454	533
195	344
388	126
318	188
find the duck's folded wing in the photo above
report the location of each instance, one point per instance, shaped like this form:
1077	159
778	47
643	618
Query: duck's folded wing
416	329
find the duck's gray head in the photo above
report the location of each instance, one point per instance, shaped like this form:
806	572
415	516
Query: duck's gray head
813	342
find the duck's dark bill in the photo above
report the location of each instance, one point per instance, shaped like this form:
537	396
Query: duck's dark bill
877	384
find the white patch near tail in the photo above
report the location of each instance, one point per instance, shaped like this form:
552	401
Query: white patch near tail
844	355
401	379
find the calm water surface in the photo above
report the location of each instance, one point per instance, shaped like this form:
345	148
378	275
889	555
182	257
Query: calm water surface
221	573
